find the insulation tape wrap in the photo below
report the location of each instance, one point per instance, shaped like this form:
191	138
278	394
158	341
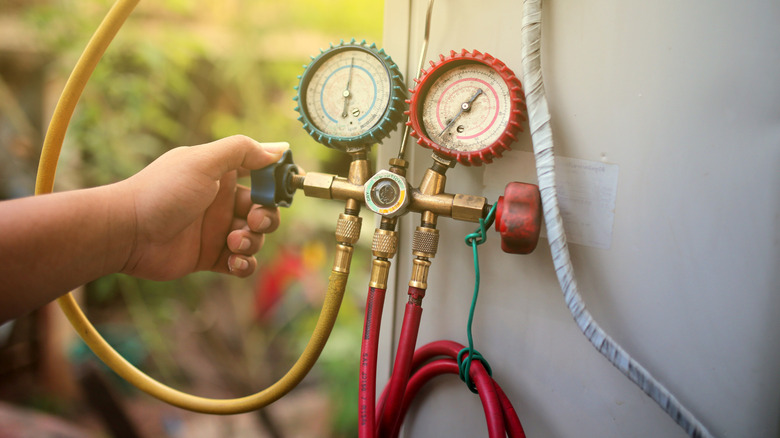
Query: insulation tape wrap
541	134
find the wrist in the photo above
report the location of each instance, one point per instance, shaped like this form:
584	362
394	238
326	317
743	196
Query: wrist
120	237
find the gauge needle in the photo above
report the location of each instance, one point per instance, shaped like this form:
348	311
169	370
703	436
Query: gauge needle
464	108
346	93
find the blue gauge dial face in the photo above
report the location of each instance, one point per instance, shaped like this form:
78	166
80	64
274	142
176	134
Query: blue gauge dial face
348	93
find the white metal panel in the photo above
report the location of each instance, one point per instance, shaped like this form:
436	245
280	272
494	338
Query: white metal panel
684	98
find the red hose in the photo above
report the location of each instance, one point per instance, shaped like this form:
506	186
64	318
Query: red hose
425	372
391	404
487	393
368	355
500	415
416	382
513	426
433	349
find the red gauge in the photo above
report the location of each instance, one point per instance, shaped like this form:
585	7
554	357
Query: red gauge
469	106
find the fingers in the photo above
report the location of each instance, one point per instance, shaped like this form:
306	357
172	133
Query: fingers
241	153
244	241
243	203
259	218
263	219
241	244
247	238
241	266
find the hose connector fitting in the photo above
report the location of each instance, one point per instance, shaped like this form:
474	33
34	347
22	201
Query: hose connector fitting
348	229
342	258
347	234
425	242
420	268
380	272
385	243
383	247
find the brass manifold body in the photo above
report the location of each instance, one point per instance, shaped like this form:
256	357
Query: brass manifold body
429	199
457	206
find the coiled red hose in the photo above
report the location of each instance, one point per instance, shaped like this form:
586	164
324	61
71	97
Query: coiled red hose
413	369
483	382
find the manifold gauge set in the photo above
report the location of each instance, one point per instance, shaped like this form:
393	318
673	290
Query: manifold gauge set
468	108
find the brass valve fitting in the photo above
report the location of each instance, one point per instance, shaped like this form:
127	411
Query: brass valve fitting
318	185
348	229
432	184
343	258
347	234
420	268
460	207
425	242
384	247
469	208
380	271
385	243
324	186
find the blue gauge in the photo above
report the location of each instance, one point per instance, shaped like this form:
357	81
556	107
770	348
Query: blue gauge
351	96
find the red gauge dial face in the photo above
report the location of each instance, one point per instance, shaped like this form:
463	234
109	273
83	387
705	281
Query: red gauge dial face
467	107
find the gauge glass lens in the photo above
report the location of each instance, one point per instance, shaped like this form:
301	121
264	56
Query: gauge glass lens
467	108
348	93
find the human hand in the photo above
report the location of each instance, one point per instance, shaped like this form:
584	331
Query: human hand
190	215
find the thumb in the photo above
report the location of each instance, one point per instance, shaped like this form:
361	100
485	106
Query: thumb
240	151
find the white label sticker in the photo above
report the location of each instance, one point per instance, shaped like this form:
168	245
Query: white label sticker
587	191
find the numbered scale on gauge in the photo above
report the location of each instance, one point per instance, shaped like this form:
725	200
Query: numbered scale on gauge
467	107
351	96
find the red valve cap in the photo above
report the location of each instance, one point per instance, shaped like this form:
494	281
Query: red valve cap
519	218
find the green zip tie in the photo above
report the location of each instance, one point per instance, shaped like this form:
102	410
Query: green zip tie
478	237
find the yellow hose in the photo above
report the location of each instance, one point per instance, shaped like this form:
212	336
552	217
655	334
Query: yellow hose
116	362
52	145
86	64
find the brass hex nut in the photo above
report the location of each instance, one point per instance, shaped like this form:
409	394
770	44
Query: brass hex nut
317	185
468	208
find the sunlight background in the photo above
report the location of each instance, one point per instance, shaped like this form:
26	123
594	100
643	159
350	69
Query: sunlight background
184	73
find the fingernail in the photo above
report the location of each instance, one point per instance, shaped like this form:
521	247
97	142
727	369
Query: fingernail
276	148
238	264
264	224
244	244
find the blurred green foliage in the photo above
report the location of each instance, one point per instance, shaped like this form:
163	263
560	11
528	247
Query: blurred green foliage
181	73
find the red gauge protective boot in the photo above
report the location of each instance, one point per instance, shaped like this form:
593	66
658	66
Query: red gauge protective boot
519	218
